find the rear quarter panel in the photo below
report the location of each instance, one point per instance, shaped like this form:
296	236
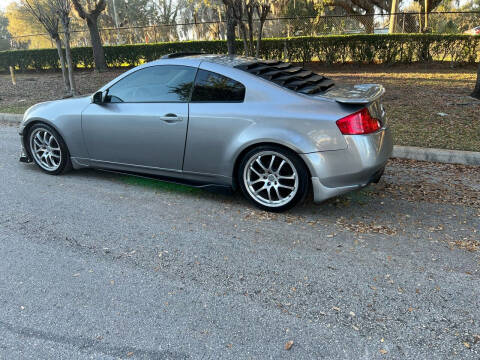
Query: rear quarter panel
219	132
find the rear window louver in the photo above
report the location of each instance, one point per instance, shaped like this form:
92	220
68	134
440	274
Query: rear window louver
290	76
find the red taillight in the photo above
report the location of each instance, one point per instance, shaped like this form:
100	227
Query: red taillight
358	123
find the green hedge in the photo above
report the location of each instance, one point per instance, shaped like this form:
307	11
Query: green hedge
376	48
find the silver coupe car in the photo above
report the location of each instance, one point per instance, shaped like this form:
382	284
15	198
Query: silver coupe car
273	129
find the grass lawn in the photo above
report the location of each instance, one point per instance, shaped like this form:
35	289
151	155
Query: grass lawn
417	96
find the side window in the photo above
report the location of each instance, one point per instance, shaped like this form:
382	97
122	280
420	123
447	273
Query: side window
212	87
162	83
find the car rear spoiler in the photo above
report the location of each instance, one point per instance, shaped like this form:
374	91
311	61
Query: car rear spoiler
354	94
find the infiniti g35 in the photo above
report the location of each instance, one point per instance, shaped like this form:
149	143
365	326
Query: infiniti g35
272	129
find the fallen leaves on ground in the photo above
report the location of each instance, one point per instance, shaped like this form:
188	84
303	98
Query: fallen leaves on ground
466	244
289	345
432	182
366	227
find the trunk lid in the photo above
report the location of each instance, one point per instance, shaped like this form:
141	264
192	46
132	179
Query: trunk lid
361	94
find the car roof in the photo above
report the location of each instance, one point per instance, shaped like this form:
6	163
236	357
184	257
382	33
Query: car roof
277	72
194	60
225	60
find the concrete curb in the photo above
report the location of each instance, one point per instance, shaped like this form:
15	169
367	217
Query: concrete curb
11	118
401	152
437	155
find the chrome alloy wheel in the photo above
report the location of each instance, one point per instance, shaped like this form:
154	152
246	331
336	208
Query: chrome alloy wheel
270	178
45	149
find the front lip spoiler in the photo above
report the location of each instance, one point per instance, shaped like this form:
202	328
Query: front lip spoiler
24	159
24	156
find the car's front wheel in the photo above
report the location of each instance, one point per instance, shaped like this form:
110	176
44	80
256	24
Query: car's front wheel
273	178
48	149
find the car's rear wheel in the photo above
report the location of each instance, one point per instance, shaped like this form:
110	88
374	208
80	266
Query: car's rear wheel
273	178
48	149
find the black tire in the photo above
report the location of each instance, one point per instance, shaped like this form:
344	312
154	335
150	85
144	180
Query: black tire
302	182
65	163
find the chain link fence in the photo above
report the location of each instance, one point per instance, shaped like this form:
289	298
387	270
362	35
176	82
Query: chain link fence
437	22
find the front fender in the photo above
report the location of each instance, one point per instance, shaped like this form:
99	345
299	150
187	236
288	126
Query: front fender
65	117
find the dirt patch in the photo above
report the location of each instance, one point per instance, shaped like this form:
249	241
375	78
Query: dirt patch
32	87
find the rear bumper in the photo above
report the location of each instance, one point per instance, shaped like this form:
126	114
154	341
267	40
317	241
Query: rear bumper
362	162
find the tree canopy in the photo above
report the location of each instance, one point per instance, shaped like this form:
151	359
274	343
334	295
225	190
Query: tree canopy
20	23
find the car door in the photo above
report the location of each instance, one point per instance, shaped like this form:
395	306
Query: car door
217	115
143	121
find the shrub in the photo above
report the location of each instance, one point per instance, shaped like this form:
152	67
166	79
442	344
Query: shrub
358	48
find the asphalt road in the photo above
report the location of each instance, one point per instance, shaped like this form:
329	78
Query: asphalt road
99	266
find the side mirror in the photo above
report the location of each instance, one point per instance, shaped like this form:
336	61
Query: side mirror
98	97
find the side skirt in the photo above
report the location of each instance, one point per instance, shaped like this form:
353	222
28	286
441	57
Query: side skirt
202	181
223	189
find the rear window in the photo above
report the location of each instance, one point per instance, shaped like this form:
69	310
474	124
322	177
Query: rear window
213	87
290	76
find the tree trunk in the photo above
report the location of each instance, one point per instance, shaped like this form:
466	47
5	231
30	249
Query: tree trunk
368	22
68	54
231	24
96	41
420	21
476	91
58	44
393	17
243	32
259	39
250	31
425	25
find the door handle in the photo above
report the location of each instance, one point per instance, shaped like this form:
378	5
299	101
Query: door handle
171	118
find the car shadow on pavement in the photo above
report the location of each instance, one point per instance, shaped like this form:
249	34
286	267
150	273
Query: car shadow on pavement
355	199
